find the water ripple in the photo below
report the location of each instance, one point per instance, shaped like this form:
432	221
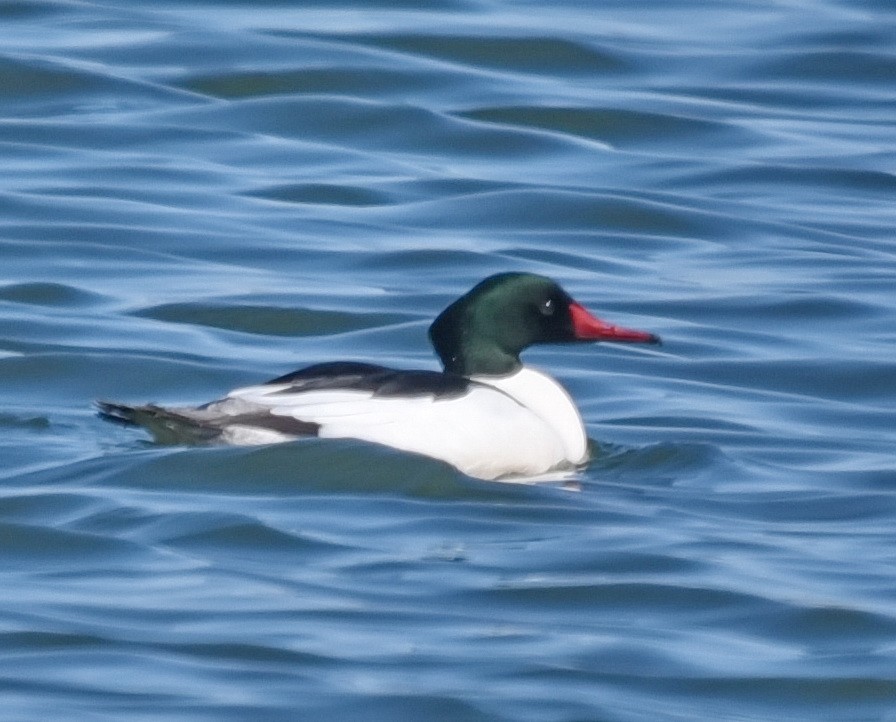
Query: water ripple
207	195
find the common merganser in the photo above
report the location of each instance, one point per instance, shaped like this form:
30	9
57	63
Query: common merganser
486	414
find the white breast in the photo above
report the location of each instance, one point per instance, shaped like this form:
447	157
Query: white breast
546	398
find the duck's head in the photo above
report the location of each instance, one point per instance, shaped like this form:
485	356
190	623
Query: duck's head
485	330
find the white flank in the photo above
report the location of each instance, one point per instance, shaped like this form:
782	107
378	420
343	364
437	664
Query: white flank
519	425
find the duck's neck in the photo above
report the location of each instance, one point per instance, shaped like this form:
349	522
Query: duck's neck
476	360
465	350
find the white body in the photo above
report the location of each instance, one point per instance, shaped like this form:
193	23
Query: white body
524	424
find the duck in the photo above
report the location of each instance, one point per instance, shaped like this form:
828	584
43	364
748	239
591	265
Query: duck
486	413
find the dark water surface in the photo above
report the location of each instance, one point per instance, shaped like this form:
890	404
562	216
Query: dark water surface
197	195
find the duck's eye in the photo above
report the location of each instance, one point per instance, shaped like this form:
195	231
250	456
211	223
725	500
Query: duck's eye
547	307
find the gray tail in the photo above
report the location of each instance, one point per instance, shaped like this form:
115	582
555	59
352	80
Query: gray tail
119	413
166	425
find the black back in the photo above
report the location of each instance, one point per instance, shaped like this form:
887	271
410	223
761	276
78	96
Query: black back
379	380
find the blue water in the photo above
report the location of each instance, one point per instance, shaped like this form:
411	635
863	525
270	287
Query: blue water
197	196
